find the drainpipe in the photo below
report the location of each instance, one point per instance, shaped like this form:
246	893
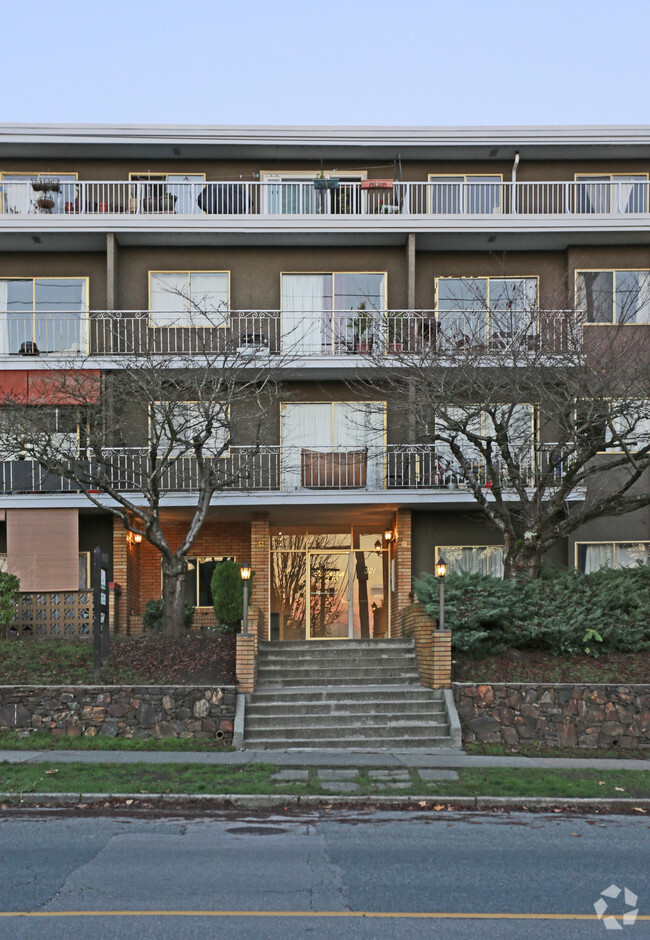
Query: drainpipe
514	180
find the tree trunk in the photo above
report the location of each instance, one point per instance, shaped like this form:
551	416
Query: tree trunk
173	592
521	560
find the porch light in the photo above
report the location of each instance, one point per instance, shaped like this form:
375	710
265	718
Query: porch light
245	573
137	538
441	571
388	535
378	545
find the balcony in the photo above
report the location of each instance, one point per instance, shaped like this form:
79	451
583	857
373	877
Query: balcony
309	334
150	199
293	470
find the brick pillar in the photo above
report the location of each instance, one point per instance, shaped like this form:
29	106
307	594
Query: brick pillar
401	553
126	572
260	562
246	668
114	594
441	659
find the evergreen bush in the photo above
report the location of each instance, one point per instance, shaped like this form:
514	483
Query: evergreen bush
228	595
9	593
553	613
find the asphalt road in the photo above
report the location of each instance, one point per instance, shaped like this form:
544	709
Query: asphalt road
78	877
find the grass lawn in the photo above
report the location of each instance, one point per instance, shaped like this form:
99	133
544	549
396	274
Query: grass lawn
257	779
536	749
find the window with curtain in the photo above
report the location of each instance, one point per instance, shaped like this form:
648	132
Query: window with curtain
334	428
325	313
475	559
466	421
176	424
48	312
591	556
615	296
612	192
189	298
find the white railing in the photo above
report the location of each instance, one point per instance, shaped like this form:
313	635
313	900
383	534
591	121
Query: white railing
246	333
286	199
275	468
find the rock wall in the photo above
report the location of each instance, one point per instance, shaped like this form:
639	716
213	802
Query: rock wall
555	715
120	712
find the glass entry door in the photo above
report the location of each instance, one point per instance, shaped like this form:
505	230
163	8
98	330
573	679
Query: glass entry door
330	601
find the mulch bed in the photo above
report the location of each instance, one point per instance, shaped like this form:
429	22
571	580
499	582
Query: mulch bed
538	667
191	660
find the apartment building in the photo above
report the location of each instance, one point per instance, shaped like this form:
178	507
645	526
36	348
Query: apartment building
333	252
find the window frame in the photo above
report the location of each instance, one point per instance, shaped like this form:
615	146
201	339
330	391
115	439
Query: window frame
200	559
190	454
614	271
484	277
84	313
495	179
614	543
441	549
189	325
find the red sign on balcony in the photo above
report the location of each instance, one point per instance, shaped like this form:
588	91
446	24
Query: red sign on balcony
376	184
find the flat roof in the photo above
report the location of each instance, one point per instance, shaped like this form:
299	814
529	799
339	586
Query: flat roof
225	141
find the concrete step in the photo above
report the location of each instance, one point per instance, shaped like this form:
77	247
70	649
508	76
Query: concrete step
318	671
339	722
326	657
393	693
308	682
291	646
365	742
336	708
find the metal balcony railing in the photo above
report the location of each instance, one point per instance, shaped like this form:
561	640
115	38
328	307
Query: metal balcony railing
284	469
247	333
303	197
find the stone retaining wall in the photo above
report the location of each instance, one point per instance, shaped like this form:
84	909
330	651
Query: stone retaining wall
120	711
555	715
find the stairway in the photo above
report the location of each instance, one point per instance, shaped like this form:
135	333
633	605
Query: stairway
343	694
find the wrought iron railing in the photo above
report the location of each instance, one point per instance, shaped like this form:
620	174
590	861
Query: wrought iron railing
275	468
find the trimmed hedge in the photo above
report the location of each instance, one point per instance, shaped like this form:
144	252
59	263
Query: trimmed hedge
562	613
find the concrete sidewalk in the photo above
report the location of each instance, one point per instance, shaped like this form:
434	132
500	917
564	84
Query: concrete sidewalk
397	758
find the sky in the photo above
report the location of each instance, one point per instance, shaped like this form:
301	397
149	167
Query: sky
408	62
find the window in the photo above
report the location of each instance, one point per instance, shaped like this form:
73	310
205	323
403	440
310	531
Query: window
475	309
176	424
519	420
475	559
339	312
591	556
614	426
612	192
198	580
451	195
189	298
176	193
27	193
332	444
614	296
45	315
294	193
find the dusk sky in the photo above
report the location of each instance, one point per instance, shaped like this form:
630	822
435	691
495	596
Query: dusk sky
467	62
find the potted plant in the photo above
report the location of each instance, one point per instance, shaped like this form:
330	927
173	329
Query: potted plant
45	188
321	183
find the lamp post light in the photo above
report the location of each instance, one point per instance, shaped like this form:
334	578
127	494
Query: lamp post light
245	572
441	571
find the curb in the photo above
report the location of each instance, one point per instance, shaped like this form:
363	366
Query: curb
279	800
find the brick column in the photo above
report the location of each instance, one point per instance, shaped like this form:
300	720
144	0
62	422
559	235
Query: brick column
441	659
126	572
246	668
114	594
432	647
260	564
401	553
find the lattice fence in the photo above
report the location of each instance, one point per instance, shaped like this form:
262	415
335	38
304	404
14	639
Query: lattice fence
62	615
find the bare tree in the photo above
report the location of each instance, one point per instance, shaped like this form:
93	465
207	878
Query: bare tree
544	419
190	418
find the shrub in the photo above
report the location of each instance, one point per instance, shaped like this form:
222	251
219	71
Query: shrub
153	614
553	613
228	595
9	593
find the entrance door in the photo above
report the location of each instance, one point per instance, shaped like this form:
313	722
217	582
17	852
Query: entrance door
330	595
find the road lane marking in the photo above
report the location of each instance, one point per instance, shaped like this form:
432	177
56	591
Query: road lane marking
421	915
